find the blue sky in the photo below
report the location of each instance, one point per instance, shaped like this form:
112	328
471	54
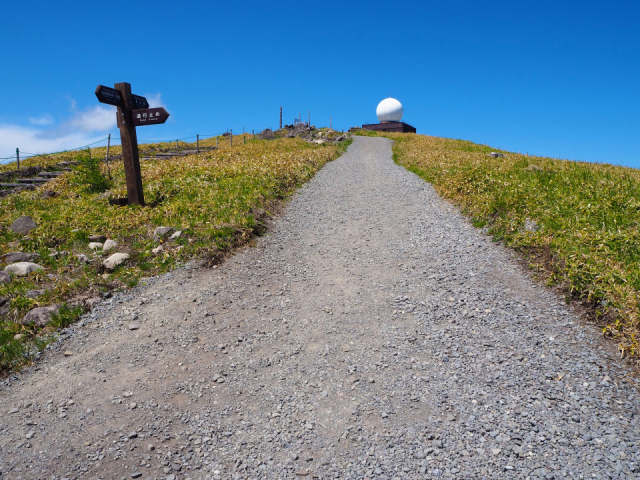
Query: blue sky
555	78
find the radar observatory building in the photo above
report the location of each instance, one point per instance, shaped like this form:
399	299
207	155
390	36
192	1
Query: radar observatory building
390	114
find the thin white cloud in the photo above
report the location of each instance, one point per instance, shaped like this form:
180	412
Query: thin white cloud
80	128
32	141
43	120
155	100
94	119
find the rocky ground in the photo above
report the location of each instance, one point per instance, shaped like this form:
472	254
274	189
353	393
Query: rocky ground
309	133
374	333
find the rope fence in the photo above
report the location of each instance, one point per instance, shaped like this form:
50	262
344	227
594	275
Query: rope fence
22	155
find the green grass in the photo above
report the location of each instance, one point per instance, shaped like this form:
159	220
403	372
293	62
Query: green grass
219	199
588	240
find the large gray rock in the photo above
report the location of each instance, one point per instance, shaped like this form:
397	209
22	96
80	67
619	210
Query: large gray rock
95	245
21	269
97	238
3	300
114	260
23	225
5	277
14	257
109	245
40	316
161	232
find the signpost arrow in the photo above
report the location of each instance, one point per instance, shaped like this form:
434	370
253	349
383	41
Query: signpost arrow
140	102
149	116
109	96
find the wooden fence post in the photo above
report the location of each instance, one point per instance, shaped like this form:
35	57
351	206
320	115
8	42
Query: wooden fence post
231	137
106	158
129	142
197	143
217	138
280	116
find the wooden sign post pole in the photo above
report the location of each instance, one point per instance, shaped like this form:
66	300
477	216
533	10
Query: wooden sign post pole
129	142
133	110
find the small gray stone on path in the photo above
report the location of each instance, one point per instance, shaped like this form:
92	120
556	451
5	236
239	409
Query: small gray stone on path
5	277
109	245
92	301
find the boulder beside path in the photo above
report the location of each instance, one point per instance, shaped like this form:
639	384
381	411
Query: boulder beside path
21	269
114	260
40	316
23	225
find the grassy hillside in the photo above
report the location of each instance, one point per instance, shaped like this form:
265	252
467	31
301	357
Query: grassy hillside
218	200
577	223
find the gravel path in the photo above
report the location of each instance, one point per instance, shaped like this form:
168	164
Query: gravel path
372	334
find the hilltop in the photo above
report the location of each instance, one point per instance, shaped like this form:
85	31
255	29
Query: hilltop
574	223
373	333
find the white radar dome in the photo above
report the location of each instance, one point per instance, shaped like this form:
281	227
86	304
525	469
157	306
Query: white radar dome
389	110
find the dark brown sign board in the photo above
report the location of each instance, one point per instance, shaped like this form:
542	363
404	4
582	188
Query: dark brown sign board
109	95
149	116
140	102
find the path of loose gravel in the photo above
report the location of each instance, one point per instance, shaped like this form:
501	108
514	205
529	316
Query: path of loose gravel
372	334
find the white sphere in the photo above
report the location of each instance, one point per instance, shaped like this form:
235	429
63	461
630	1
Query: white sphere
389	110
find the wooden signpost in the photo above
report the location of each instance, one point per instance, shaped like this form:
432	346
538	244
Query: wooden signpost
133	110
